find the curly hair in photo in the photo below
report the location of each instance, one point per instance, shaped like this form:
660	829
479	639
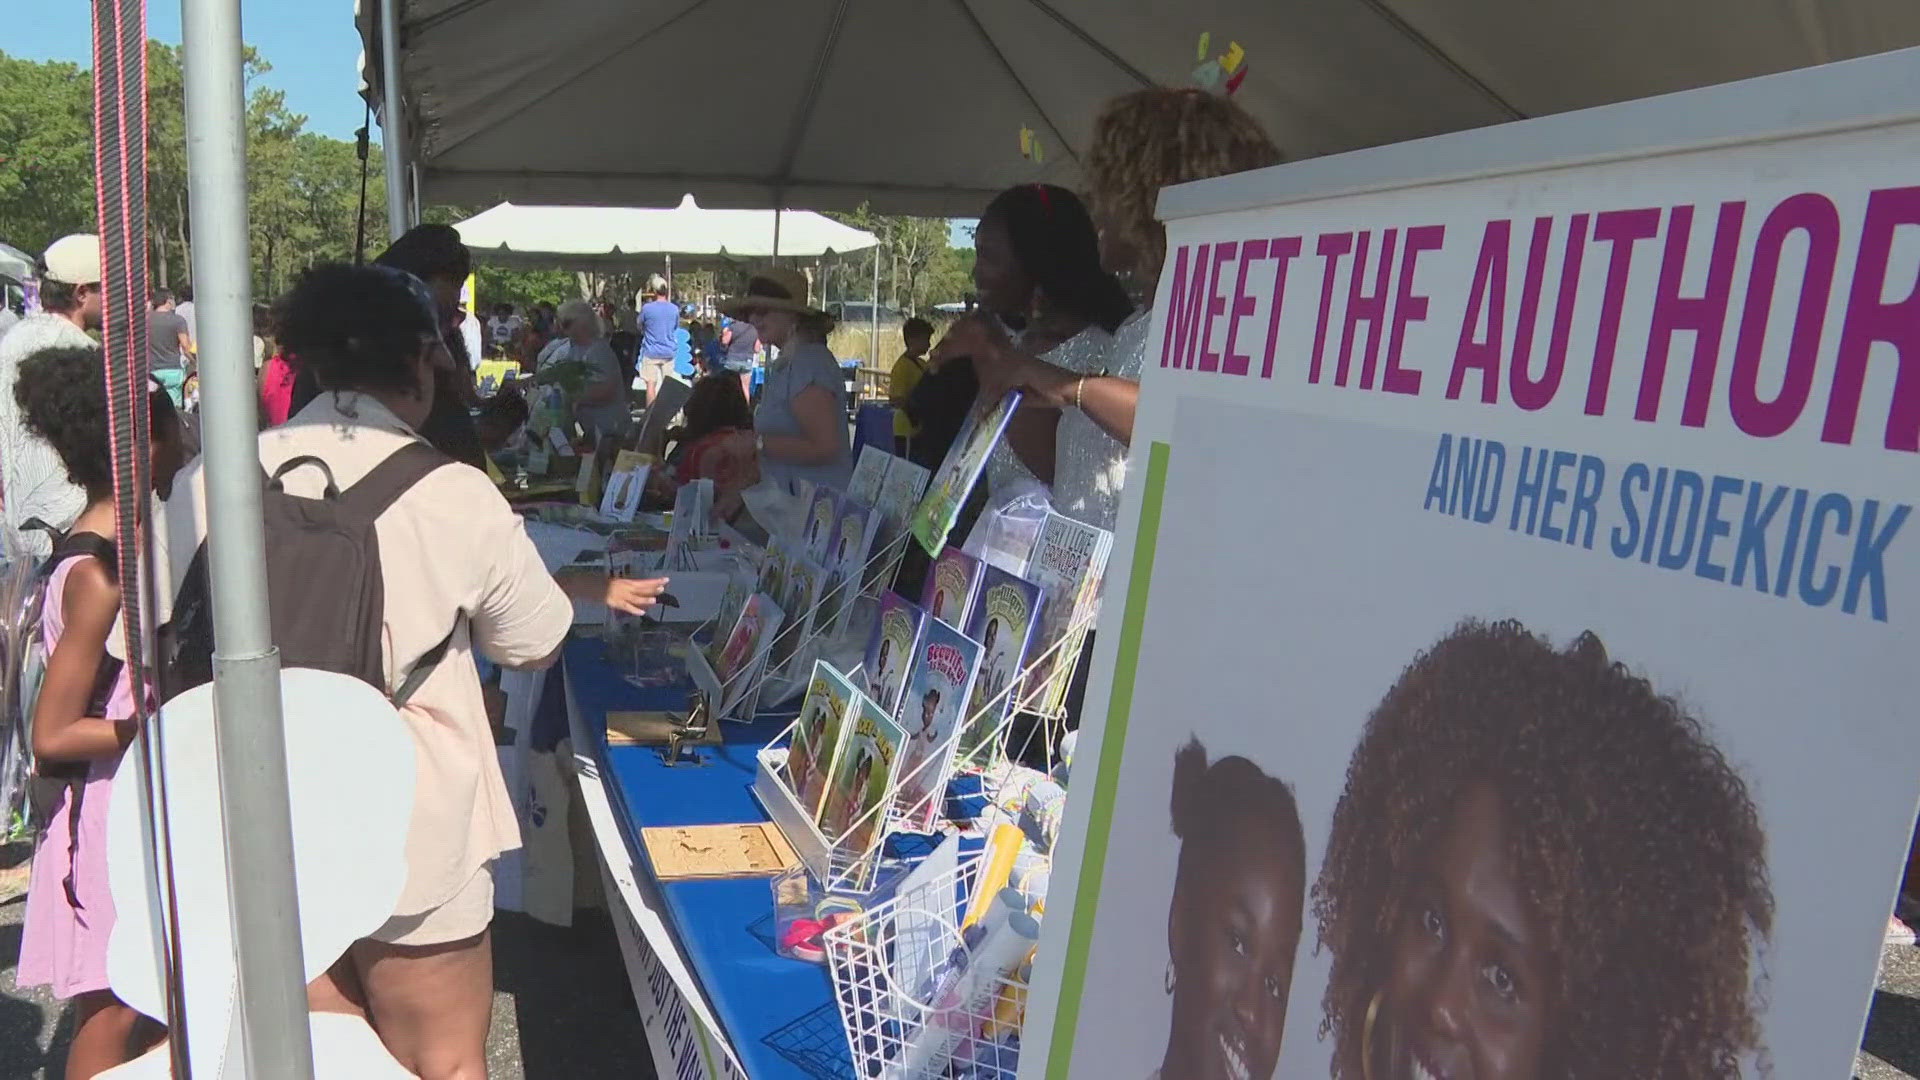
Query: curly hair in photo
1635	848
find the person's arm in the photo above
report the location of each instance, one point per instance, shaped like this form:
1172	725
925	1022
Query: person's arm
1031	432
630	595
1108	400
62	730
522	617
817	443
186	347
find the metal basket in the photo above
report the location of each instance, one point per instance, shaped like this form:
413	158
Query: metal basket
887	966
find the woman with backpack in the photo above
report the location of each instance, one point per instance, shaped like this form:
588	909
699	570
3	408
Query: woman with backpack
83	717
457	576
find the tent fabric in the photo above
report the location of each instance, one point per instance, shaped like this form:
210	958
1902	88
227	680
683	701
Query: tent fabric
916	106
611	236
16	265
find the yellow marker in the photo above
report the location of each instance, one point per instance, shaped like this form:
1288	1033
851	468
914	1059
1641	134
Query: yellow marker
1026	141
1039	153
1206	45
1002	848
1231	61
493	471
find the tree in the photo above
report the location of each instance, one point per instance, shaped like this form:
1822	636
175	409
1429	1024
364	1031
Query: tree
46	152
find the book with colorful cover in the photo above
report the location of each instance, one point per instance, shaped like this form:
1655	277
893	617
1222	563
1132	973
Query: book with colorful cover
725	616
863	773
883	674
1069	559
823	514
952	583
933	519
938	686
805	579
817	736
869	473
852	541
905	482
745	648
1004	621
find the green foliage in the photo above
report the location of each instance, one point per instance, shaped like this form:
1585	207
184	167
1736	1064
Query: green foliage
302	188
501	284
918	267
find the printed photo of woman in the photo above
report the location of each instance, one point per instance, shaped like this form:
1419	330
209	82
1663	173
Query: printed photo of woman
1234	924
1541	866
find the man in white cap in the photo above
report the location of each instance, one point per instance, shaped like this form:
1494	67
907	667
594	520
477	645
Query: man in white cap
33	483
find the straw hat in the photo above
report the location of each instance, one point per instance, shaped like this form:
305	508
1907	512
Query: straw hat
772	289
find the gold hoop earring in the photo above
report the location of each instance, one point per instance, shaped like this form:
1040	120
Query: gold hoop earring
1366	1035
1170	979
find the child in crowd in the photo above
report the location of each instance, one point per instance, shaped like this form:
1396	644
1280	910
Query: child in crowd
917	336
83	719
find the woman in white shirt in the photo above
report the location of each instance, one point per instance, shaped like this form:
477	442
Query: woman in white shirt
603	404
1142	142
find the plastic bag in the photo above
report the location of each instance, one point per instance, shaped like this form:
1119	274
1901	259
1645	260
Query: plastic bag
1006	530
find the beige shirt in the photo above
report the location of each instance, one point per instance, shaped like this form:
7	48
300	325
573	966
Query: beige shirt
449	544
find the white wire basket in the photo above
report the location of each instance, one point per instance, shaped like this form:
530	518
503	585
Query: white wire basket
906	1016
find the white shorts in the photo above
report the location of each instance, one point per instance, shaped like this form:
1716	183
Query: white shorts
463	915
654	369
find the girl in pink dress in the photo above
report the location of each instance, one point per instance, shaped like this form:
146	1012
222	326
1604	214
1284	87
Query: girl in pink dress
83	719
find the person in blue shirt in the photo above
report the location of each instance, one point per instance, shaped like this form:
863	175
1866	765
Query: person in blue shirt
659	320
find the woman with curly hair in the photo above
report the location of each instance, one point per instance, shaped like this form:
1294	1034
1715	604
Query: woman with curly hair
1540	867
1234	925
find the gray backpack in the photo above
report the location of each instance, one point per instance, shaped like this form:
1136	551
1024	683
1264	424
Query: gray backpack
324	586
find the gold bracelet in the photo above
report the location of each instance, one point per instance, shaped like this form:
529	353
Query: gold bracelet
1079	387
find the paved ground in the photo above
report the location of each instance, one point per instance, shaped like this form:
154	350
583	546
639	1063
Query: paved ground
561	1006
562	1009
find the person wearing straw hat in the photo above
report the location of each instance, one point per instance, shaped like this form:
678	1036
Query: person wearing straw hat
800	426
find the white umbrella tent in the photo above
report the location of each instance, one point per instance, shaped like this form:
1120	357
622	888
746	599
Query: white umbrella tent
917	106
620	236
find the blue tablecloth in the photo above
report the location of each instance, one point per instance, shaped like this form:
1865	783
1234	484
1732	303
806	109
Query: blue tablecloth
778	1013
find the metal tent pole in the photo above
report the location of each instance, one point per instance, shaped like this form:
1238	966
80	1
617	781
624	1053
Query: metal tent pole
873	313
393	125
257	824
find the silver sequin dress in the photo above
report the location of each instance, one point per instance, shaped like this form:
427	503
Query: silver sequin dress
1083	353
1090	466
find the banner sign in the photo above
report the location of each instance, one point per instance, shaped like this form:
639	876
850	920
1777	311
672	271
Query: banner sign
1513	671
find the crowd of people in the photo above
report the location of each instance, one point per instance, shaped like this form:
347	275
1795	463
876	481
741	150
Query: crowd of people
355	363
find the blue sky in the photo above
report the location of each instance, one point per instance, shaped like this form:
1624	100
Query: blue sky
310	43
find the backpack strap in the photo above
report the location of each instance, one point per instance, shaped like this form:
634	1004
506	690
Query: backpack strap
424	666
75	545
390	479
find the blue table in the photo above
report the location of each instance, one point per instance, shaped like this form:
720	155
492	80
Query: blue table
778	1013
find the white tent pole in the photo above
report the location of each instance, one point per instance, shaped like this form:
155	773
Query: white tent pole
393	136
256	820
873	313
776	234
669	274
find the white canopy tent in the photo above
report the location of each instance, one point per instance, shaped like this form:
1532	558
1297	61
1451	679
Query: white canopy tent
15	265
917	106
623	236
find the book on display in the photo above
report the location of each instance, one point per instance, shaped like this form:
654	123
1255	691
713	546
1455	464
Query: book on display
863	773
823	514
852	540
817	736
939	683
883	673
952	583
1069	560
933	518
869	473
804	580
745	650
902	487
1005	620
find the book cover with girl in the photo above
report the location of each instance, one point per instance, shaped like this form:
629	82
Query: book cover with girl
951	586
938	685
746	647
933	519
862	775
823	513
1069	560
852	540
817	736
1004	622
83	717
805	580
883	674
902	487
868	474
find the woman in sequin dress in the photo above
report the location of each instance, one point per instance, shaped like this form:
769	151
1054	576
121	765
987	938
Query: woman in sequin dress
1142	142
1037	264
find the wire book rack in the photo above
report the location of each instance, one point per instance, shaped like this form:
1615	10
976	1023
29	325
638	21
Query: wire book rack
910	996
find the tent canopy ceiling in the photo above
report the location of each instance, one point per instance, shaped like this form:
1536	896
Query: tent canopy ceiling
623	236
916	106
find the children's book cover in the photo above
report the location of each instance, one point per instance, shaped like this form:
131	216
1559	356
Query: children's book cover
869	473
1068	561
952	582
746	648
817	736
1004	621
933	519
862	775
883	673
823	514
938	686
